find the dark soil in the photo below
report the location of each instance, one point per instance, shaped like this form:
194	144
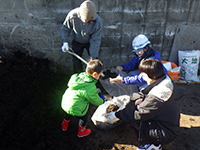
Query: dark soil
112	108
31	115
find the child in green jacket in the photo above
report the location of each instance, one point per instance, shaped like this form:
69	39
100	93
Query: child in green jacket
80	93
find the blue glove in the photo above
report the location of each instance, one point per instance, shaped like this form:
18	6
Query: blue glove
101	96
111	116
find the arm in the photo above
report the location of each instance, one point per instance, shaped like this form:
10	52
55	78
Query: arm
132	65
95	40
134	79
93	97
146	110
66	28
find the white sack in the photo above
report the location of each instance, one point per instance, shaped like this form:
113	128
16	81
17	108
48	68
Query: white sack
99	119
189	62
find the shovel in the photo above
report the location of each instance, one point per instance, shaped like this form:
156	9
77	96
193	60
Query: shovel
70	51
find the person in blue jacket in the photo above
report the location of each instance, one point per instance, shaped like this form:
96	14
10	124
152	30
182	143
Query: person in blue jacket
142	51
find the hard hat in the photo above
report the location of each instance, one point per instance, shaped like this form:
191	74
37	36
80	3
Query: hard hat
139	42
87	11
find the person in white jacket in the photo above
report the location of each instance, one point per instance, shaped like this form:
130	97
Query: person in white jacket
85	25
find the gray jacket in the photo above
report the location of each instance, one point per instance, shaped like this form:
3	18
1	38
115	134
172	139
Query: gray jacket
158	113
81	32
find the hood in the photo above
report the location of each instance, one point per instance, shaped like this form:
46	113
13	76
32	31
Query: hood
80	80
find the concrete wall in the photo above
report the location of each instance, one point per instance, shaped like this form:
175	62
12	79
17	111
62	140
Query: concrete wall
34	26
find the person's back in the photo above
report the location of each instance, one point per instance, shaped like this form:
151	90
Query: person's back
81	91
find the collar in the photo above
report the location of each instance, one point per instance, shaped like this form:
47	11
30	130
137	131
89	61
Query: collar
149	87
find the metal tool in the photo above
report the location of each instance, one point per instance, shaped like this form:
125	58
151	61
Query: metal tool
70	51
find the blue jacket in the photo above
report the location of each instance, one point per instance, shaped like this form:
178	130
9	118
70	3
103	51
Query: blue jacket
134	64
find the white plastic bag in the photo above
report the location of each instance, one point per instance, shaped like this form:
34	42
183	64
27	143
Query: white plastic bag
189	63
99	119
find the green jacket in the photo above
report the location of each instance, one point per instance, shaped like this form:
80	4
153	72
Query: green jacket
81	91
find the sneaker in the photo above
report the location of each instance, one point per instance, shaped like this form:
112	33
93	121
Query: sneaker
150	147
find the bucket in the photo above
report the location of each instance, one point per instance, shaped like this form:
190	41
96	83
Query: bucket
172	75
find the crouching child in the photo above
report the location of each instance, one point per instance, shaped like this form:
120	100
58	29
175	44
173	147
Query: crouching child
80	93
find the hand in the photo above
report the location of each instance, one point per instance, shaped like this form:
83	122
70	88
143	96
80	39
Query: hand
120	68
111	116
65	47
137	102
117	79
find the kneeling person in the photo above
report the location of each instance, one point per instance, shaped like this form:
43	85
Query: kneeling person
156	118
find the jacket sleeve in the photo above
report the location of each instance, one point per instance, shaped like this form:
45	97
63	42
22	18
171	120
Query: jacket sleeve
148	109
66	28
136	96
95	40
93	97
126	114
137	79
132	65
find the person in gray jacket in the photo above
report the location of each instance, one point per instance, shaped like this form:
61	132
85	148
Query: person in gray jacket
85	25
156	111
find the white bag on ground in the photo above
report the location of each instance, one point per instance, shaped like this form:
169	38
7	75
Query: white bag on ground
189	63
99	119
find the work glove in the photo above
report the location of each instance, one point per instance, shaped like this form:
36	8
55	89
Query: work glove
111	116
102	97
65	47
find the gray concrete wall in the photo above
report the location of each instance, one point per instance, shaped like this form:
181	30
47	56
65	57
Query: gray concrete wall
34	26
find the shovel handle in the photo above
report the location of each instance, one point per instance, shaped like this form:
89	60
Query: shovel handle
70	51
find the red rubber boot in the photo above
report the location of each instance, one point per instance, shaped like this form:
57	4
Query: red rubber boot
82	131
65	124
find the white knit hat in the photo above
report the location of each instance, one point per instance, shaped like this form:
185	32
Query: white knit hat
87	10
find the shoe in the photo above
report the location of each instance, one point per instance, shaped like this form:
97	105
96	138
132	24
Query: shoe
65	124
150	147
82	131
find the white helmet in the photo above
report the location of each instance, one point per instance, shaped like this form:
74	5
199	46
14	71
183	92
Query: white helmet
139	42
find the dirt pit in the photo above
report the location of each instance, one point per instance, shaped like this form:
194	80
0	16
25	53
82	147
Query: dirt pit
31	115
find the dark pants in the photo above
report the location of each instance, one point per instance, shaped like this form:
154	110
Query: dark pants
78	49
136	127
82	119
